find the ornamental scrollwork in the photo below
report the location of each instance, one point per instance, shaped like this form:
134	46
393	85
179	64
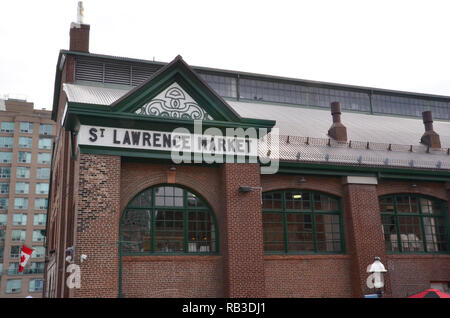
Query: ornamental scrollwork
174	105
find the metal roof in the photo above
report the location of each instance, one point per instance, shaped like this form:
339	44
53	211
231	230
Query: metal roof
375	140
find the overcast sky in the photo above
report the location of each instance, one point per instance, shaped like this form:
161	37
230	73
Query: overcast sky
401	45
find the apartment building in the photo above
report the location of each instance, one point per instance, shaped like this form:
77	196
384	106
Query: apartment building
26	141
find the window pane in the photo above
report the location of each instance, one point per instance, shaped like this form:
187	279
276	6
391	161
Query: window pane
42	188
325	203
26	127
45	129
143	200
14	286
7	127
299	232
5	172
24	157
407	204
135	231
300	201
410	234
273	232
21	203
45	143
5	157
3	219
201	235
23	172
4	188
168	231
19	219
6	142
390	233
44	158
272	201
328	233
435	234
39	219
25	142
43	173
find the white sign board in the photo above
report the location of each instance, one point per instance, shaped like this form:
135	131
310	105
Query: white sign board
167	141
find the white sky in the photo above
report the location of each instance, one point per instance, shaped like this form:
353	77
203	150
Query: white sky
400	45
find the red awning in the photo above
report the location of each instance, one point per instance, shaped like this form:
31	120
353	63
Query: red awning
430	293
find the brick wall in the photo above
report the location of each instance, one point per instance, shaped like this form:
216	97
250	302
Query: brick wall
308	276
97	226
242	232
172	276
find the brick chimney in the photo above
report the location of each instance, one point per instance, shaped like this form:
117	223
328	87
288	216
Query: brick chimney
430	137
337	131
79	32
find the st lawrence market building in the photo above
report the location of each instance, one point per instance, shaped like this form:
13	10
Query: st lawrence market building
323	179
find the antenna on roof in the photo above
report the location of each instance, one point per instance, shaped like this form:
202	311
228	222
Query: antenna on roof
80	13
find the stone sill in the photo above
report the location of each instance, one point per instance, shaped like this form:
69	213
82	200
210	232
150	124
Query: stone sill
173	258
305	257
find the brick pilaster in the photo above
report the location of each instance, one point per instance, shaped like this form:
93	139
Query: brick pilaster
364	231
241	234
97	225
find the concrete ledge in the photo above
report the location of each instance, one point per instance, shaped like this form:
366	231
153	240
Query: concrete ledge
360	180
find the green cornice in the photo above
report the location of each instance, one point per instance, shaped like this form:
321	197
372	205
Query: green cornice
347	170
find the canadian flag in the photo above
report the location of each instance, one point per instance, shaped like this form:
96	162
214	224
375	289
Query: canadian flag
24	256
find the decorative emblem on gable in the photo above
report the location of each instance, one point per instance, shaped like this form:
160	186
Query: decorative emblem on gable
174	102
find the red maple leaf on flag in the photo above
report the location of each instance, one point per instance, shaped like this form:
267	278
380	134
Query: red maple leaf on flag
22	258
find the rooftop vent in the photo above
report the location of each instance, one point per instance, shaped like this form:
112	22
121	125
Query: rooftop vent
430	137
337	130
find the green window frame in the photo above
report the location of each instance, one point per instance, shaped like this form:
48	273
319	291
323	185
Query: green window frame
302	222
414	223
168	219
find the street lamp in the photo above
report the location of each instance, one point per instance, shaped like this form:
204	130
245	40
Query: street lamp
376	279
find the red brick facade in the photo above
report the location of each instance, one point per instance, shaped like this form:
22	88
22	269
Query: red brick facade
105	185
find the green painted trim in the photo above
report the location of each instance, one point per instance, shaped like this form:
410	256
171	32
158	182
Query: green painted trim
380	172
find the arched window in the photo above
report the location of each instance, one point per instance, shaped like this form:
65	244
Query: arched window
302	222
414	223
168	219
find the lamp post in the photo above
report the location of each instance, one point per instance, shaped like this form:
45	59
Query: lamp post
376	279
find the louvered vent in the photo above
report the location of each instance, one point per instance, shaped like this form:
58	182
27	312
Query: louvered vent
96	70
88	70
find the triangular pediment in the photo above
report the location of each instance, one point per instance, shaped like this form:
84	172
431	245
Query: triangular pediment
174	102
176	92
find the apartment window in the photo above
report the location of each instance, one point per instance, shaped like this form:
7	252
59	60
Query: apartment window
35	268
3	219
40	204
21	203
5	172
39	219
26	127
4	188
13	268
168	220
24	157
2	252
38	251
45	129
42	188
3	203
38	236
5	157
6	142
2	235
25	142
413	223
19	219
302	222
45	143
36	285
18	235
7	127
43	173
44	158
22	187
15	251
13	286
23	172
